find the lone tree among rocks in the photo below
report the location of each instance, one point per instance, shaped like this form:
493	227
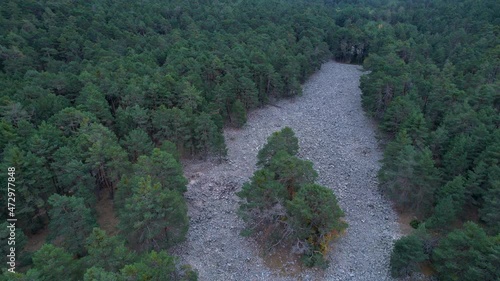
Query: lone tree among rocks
282	204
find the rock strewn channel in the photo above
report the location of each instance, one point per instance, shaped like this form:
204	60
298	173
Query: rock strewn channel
340	140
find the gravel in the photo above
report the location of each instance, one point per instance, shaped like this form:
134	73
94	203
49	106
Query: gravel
339	139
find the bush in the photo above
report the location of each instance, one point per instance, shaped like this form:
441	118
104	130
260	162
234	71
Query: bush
415	223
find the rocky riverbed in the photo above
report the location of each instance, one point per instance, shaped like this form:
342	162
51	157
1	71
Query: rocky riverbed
339	139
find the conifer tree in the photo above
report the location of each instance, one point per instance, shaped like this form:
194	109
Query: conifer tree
70	222
158	266
99	274
239	114
163	168
154	217
51	263
108	253
93	101
315	217
406	255
137	143
283	140
469	246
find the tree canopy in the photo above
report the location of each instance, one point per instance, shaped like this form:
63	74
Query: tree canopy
105	96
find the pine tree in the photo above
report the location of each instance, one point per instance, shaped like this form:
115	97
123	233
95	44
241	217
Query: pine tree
93	101
130	118
153	217
411	179
7	134
208	139
292	172
406	255
315	217
239	114
469	246
163	168
283	140
490	213
444	214
74	177
51	263
70	120
455	159
158	266
190	97
99	274
33	186
264	199
108	253
137	143
101	151
48	104
172	124
455	190
70	222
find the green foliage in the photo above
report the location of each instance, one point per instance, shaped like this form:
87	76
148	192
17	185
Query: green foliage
7	134
427	91
444	214
130	118
103	154
170	148
30	276
50	263
33	186
316	217
107	253
469	246
207	138
163	168
172	124
454	189
263	205
70	222
415	223
74	176
81	94
411	179
314	210
93	101
137	143
153	217
69	120
190	98
99	274
239	114
490	213
398	113
292	172
157	266
283	140
406	255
